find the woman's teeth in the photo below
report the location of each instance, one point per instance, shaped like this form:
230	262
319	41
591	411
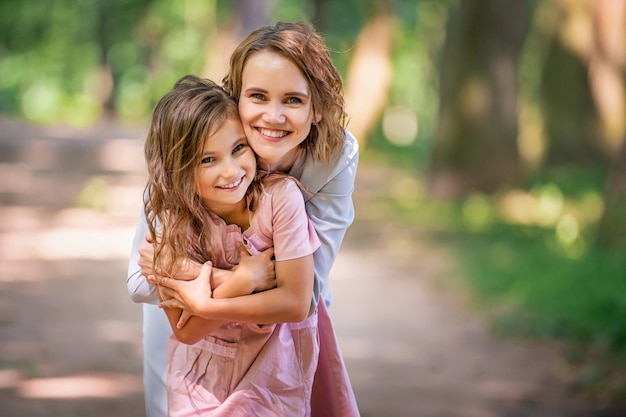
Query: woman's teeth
272	133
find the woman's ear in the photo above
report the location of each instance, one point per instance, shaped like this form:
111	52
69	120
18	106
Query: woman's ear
317	118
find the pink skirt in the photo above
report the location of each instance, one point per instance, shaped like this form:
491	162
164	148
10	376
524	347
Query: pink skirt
244	370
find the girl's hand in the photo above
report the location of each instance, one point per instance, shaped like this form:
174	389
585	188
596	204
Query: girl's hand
258	269
190	296
253	274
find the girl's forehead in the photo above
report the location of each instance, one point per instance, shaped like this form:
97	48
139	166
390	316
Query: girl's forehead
225	134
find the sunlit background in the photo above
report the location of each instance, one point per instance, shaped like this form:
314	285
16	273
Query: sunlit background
487	259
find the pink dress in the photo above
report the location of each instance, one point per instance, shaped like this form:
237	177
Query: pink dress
245	369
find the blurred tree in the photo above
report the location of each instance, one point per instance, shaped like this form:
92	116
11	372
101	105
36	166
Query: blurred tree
237	19
251	14
369	72
612	231
607	62
475	141
572	124
116	25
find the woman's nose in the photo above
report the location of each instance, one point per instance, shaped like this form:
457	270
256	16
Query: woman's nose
274	113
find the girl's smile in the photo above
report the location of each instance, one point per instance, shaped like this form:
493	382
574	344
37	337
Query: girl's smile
226	170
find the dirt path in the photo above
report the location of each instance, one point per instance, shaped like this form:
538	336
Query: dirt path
70	339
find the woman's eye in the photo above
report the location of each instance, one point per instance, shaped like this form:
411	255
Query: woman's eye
293	100
257	96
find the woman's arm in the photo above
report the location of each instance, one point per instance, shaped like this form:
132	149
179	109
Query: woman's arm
330	208
139	290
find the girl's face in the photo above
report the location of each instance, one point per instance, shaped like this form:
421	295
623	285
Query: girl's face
275	108
226	170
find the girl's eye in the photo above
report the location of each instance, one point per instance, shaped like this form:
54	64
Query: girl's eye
238	148
294	100
257	96
207	160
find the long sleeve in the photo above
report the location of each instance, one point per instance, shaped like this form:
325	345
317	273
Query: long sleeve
138	288
329	206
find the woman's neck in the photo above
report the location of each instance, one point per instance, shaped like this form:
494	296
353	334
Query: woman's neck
283	164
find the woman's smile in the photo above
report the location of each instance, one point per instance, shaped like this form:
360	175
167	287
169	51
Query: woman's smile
275	108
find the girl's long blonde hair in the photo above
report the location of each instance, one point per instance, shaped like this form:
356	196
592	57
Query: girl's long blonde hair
192	111
301	44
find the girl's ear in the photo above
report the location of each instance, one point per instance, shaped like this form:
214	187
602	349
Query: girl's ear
317	118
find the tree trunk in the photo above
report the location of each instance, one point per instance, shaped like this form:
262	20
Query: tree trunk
475	145
612	232
223	37
607	61
369	73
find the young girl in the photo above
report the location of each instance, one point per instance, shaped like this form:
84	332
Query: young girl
203	195
292	109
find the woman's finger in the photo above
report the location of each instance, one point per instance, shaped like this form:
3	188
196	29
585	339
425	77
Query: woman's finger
172	284
183	319
169	293
171	303
241	249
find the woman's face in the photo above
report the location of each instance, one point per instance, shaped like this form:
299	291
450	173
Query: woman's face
226	169
275	108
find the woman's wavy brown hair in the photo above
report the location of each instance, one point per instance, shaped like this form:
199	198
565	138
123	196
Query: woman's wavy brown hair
303	45
192	111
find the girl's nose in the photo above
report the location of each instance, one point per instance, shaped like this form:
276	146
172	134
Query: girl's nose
230	169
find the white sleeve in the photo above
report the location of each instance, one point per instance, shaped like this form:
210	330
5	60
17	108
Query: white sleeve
138	288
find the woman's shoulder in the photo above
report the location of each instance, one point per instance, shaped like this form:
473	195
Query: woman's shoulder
350	146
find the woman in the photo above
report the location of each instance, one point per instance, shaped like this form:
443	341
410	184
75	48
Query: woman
291	106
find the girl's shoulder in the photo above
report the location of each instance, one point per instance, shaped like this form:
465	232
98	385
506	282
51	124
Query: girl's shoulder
278	184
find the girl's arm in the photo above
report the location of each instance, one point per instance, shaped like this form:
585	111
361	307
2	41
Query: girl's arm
294	240
288	302
259	269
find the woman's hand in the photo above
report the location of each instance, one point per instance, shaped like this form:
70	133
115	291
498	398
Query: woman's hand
146	256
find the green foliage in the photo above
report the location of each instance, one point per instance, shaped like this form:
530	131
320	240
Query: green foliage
533	288
73	61
69	61
529	276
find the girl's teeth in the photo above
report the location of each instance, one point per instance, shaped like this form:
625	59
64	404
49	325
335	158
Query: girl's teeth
233	184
